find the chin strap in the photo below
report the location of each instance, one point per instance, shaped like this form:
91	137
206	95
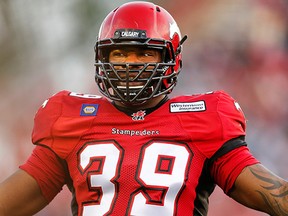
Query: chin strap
179	49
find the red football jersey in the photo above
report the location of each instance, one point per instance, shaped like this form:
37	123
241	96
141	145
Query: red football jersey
143	164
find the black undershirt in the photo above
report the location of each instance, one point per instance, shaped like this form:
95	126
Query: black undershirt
130	110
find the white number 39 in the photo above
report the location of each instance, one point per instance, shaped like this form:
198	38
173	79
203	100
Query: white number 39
162	166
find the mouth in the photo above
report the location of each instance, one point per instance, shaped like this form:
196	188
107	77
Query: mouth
133	90
132	86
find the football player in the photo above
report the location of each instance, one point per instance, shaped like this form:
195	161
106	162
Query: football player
136	151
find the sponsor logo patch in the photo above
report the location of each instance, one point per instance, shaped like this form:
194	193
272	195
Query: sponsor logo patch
188	107
89	109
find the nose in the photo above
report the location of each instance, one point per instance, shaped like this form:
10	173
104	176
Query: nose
133	58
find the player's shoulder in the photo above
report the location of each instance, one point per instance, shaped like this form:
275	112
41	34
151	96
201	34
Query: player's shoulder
62	118
69	102
65	96
208	101
206	95
211	119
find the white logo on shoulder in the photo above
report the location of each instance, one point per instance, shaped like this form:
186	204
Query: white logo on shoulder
44	103
188	107
74	94
237	106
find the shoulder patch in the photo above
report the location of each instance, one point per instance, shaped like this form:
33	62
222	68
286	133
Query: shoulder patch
89	109
196	106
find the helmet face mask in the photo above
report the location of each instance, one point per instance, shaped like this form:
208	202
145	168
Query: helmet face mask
121	88
126	27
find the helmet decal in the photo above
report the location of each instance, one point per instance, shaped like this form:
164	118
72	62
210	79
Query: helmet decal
173	28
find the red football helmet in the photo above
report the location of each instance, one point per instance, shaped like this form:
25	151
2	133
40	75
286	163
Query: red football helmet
146	25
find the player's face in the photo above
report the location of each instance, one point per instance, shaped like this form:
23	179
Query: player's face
134	55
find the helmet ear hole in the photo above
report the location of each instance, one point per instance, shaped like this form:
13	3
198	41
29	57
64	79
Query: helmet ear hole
104	54
166	56
180	64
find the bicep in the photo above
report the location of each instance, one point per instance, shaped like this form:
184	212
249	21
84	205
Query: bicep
20	195
258	188
33	186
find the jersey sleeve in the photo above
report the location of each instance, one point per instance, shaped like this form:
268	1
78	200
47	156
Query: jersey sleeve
44	166
231	155
228	167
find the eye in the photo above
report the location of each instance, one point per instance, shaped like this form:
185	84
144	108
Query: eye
117	53
148	53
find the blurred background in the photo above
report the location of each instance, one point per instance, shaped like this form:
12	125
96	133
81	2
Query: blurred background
239	46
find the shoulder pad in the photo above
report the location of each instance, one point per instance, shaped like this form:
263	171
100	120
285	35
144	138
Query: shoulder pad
211	119
58	123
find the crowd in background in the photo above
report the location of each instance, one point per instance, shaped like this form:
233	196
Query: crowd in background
239	46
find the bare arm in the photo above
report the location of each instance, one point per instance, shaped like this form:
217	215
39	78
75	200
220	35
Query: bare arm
258	188
20	195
